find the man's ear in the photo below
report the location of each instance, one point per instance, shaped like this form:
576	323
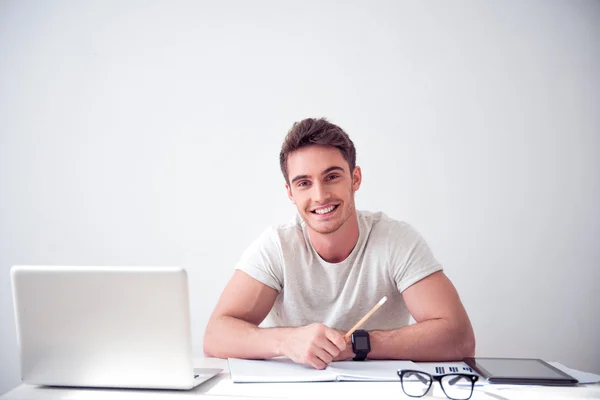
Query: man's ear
289	193
356	178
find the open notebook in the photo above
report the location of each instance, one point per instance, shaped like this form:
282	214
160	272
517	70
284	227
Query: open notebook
285	370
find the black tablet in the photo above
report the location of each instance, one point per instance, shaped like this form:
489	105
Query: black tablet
519	371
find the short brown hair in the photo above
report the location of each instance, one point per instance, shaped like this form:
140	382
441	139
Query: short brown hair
311	131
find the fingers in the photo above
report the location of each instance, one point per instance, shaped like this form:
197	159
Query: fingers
336	338
321	358
317	363
316	345
328	346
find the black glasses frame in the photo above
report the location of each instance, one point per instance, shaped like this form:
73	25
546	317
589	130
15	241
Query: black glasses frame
470	378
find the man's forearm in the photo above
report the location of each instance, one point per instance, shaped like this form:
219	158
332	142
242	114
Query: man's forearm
432	340
231	337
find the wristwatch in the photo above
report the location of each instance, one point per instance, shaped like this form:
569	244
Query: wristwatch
361	344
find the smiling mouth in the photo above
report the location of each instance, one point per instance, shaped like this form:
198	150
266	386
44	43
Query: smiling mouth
326	210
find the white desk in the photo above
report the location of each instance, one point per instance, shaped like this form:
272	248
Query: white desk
221	387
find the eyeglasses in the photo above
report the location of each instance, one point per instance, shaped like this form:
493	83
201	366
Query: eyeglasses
455	386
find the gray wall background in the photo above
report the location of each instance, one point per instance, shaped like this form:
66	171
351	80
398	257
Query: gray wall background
148	132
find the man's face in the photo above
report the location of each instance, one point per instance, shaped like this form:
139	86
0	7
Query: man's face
322	187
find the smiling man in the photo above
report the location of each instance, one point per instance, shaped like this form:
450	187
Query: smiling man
300	286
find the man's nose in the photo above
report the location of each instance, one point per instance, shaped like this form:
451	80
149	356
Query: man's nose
321	193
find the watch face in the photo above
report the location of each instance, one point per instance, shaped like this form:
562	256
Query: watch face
361	342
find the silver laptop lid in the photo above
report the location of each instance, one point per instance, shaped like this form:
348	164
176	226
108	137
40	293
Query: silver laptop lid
103	326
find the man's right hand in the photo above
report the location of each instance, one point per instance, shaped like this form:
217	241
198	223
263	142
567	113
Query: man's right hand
314	344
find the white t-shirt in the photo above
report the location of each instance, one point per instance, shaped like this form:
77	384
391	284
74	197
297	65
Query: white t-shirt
389	257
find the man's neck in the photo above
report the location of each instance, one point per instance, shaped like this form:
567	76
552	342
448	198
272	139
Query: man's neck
335	247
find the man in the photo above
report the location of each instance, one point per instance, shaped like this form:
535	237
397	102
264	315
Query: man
320	274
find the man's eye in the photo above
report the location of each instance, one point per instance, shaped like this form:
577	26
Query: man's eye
302	183
332	177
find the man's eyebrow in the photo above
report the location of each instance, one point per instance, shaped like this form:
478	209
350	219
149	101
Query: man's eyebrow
297	178
334	168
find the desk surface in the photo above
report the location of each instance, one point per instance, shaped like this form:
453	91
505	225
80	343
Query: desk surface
222	387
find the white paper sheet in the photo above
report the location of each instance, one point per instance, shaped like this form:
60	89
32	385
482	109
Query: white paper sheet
285	370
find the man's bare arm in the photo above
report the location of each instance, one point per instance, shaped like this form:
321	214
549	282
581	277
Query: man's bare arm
442	330
232	330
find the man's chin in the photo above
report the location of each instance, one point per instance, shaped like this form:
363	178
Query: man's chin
324	229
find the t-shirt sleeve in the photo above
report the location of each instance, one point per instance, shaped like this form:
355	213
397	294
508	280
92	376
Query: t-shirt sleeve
413	259
263	261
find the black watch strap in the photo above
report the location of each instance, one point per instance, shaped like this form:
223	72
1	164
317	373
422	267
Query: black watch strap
361	355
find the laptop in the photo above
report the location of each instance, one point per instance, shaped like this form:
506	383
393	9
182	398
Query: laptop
113	327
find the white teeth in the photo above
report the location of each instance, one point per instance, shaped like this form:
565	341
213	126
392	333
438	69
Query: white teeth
325	210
